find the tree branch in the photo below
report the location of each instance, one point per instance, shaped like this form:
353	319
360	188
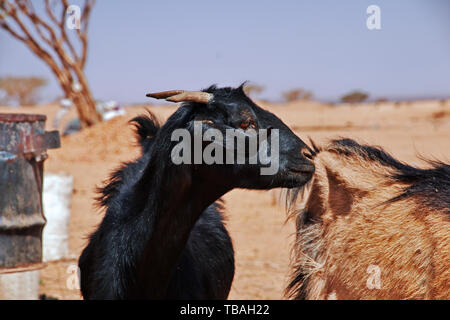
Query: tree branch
31	42
83	34
61	25
27	9
62	58
6	27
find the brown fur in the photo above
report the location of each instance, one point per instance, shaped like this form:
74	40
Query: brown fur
347	223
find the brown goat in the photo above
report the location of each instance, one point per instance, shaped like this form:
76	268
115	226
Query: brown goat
371	227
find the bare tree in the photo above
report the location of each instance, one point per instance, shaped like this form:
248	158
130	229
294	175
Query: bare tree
65	53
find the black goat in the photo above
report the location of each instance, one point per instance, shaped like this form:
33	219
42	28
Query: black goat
163	234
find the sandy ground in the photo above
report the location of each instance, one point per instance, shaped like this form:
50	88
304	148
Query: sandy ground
256	219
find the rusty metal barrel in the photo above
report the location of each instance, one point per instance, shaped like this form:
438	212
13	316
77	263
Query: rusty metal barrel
23	145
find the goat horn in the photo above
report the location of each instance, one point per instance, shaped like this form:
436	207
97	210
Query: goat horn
164	94
181	95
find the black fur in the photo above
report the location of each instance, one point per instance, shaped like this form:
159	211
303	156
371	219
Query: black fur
163	235
202	272
205	269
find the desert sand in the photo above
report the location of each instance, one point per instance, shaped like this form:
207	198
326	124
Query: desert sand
256	220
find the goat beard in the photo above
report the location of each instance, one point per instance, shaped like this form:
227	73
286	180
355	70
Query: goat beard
295	199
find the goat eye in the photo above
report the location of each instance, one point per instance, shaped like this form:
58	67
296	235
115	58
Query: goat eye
244	125
247	124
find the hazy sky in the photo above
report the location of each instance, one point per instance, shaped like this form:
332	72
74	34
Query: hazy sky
324	46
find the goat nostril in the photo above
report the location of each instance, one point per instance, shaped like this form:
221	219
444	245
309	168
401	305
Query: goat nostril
307	154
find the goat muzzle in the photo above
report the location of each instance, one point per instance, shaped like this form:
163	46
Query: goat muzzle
181	96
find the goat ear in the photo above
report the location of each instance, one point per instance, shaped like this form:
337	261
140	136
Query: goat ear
329	196
340	195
